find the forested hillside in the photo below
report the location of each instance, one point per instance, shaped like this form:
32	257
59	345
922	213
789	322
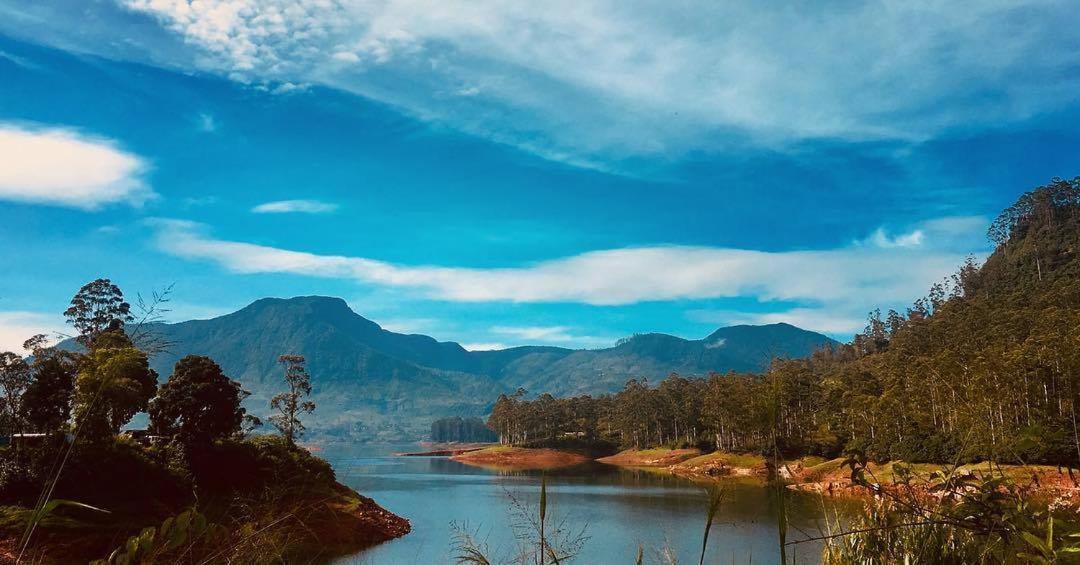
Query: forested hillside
987	365
374	383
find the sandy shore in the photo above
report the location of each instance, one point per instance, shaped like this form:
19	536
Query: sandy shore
521	459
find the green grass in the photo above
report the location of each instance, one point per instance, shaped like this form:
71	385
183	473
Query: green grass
810	461
737	460
819	471
496	449
656	451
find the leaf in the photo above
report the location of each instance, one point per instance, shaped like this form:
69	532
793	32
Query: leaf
543	497
146	540
1035	542
1050	534
58	502
198	525
183	520
166	526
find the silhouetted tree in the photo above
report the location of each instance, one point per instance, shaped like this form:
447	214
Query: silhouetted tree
290	404
198	404
98	307
14	378
47	400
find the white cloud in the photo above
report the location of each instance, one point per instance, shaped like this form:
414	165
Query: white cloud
881	239
65	168
845	278
536	333
295	206
837	319
550	334
484	346
17	326
963	233
640	79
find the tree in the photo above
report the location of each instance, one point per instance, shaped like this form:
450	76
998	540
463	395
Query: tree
289	404
98	307
114	383
14	378
47	400
198	404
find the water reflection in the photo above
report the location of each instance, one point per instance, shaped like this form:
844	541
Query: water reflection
622	509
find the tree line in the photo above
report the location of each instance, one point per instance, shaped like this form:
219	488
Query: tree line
93	392
458	429
986	366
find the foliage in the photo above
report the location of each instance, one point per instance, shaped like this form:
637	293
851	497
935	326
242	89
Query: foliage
114	383
198	404
165	543
290	404
48	397
256	465
951	516
15	377
98	307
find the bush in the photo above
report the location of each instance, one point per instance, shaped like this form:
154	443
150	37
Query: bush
254	466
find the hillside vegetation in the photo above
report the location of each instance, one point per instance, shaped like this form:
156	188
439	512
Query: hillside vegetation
371	383
985	367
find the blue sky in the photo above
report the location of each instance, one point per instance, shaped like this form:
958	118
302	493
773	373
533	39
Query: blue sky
497	174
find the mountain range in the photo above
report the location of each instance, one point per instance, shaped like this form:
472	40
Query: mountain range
370	383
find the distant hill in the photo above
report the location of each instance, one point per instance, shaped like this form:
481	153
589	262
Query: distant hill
372	383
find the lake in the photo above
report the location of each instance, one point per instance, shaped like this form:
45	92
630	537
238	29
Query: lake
619	509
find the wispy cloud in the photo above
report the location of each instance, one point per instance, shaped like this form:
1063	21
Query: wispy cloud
17	326
295	206
840	320
641	79
550	334
882	239
207	123
484	346
62	167
845	280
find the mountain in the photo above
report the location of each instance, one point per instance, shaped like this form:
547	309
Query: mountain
652	356
372	383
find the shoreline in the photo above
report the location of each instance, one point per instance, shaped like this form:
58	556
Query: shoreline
502	457
807	474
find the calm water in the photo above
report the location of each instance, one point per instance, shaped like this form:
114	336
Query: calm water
620	509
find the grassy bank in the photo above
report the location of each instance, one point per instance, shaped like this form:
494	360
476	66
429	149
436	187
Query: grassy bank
258	500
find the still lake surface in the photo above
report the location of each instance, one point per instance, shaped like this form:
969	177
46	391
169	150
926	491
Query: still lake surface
620	509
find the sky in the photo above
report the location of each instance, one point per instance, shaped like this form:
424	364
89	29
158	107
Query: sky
504	173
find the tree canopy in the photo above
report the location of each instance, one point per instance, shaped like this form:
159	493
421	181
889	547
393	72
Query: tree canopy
198	403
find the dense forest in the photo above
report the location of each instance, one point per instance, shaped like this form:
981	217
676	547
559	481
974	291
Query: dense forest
986	366
458	429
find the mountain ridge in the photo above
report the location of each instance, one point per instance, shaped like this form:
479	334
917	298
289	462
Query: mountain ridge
370	382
